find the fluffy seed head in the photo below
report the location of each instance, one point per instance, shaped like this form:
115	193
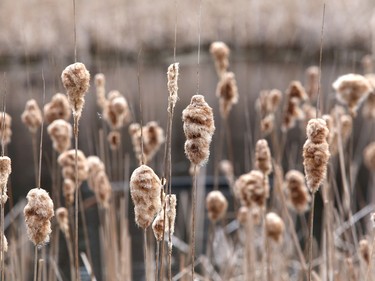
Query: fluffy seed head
316	153
216	205
263	161
244	212
268	101
292	113
5	171
198	128
60	131
57	108
5	244
114	140
274	227
62	218
158	223
69	188
369	156
352	90
5	126
172	75
220	52
67	162
227	91
296	191
267	124
116	110
100	90
145	187
32	116
364	250
312	81
226	168
76	81
38	213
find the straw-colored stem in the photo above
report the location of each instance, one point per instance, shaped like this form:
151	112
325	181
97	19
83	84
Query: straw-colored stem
157	260
311	234
40	269
193	211
76	198
268	258
2	236
145	252
369	276
218	157
161	274
35	157
35	262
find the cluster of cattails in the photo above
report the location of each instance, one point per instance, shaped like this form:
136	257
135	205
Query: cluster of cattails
220	53
297	194
216	205
227	92
159	224
145	188
274	227
198	128
5	171
60	132
76	80
116	111
32	116
38	213
295	94
62	217
57	108
5	128
312	82
67	162
352	90
316	153
98	181
369	156
151	137
267	104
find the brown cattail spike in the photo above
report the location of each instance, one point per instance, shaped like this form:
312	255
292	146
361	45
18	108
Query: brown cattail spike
364	250
198	128
352	90
145	187
316	153
274	227
67	161
114	140
312	82
5	171
263	161
296	191
220	53
5	128
76	80
62	218
216	205
227	91
58	108
172	75
32	116
69	188
158	224
100	90
116	111
38	213
60	132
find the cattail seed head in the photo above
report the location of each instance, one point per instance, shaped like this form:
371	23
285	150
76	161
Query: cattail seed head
312	81
60	131
76	81
216	205
244	212
267	124
198	128
296	191
69	188
274	227
220	52
67	162
292	113
263	161
114	140
367	64
62	218
5	244
369	156
5	128
364	250
57	108
158	223
172	75
227	91
100	90
352	90
316	153
116	111
32	116
268	101
5	171
226	168
145	187
38	213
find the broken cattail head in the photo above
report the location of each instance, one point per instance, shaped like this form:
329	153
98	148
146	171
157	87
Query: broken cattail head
38	213
216	205
57	108
274	227
32	116
60	132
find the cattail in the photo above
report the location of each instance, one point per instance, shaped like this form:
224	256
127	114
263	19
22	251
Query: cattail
372	219
114	140
216	205
309	112
171	203
367	64
5	244
267	124
243	212
292	113
352	90
38	213
98	181
312	82
227	91
67	161
316	153
68	191
198	128
346	126
296	191
172	75
116	111
145	187
62	218
60	131
364	250
220	53
252	189
100	90
5	128
5	171
263	161
274	226
57	108
76	81
268	101
32	116
158	223
369	156
226	168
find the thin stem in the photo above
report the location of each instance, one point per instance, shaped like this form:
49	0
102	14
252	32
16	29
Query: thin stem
40	269
193	211
319	105
140	103
145	252
3	121
311	234
157	260
199	42
76	198
2	236
75	30
41	134
35	157
35	262
175	33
